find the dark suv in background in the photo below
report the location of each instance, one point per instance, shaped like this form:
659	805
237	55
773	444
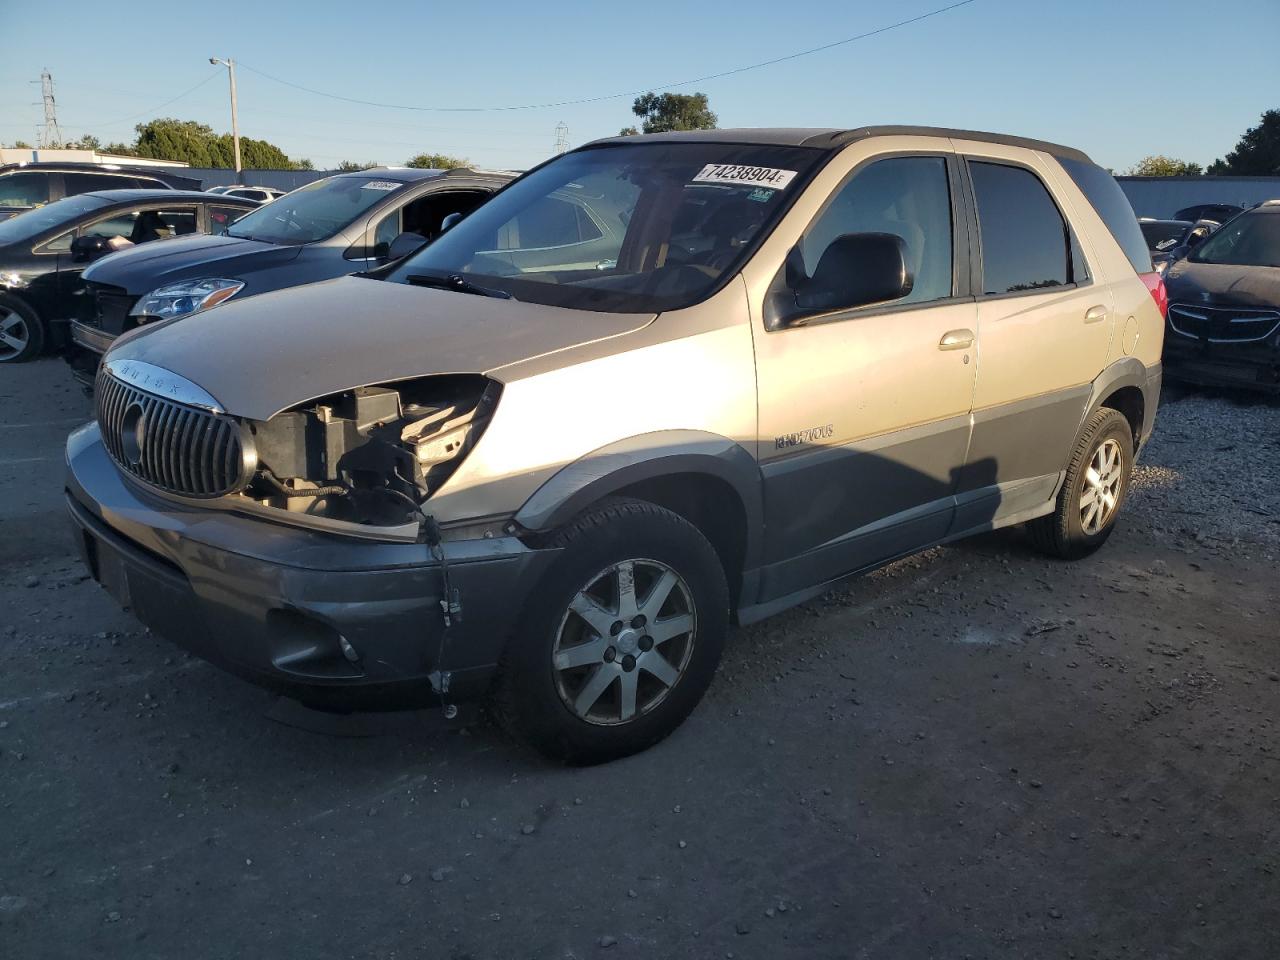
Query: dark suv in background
27	185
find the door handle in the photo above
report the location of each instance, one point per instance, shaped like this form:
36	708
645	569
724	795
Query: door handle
1095	313
956	340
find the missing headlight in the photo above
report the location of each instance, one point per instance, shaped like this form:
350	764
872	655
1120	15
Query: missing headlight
373	454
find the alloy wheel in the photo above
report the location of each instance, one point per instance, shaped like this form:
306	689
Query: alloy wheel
14	334
624	642
1103	482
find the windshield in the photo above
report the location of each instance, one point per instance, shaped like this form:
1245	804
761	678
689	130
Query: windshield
1251	240
1163	234
314	212
60	213
622	228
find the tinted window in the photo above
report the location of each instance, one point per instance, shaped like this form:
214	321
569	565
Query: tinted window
1110	203
24	189
1163	234
1024	239
1252	240
316	211
905	196
626	227
144	226
88	182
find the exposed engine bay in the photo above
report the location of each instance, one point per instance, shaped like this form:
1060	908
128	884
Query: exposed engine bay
370	455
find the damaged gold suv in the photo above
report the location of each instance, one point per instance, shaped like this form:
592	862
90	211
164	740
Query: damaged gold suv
656	385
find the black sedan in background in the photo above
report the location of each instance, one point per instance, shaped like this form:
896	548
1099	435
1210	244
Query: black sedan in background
44	251
340	225
1224	306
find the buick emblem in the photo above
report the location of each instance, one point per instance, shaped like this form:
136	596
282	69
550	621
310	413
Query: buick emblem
133	428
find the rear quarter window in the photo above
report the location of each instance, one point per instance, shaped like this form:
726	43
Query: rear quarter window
1110	203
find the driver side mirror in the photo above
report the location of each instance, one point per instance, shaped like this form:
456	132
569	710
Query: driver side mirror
405	244
449	221
856	270
85	249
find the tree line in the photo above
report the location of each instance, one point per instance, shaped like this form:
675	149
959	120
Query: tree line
1256	154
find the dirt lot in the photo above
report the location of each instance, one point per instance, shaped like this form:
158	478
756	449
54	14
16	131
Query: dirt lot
973	753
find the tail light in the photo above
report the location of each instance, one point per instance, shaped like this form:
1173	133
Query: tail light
1155	285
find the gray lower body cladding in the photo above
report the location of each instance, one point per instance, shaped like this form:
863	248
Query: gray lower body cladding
333	621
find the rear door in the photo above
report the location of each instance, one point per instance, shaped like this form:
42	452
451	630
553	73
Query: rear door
1044	329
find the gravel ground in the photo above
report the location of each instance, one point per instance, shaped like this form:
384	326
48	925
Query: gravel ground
975	752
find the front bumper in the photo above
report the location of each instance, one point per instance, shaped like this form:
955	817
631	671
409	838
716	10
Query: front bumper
270	602
1253	364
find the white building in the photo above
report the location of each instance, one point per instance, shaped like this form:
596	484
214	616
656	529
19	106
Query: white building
42	155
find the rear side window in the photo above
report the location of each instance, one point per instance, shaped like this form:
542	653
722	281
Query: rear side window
1024	238
88	182
1113	207
29	189
222	217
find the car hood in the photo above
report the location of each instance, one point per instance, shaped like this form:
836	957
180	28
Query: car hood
142	268
1223	283
274	351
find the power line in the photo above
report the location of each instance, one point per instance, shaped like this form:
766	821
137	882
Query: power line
618	96
154	110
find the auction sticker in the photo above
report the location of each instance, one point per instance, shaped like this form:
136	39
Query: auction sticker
382	185
738	175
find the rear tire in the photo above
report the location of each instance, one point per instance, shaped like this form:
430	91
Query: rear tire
598	669
22	332
1093	490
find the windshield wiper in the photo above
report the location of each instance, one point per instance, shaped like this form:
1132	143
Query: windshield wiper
457	282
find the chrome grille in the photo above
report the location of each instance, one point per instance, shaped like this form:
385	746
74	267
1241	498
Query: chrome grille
1223	324
178	448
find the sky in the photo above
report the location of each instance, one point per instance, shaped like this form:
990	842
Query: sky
1119	79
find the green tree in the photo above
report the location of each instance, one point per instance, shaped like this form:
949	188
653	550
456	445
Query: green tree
351	165
672	111
1257	154
436	161
1161	166
197	144
20	145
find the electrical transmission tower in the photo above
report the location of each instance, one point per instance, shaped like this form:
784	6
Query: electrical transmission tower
562	137
52	136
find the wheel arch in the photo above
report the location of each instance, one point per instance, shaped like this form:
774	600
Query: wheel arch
1127	386
710	480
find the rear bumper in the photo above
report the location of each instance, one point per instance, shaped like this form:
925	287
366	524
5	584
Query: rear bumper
333	621
1253	365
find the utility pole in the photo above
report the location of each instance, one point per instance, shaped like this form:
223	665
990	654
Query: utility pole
562	137
235	120
52	135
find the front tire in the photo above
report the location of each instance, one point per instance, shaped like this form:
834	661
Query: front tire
22	332
619	640
1093	490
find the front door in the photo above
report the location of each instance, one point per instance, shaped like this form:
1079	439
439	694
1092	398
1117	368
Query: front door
864	414
1044	327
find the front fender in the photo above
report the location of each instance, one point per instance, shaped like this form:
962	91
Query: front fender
645	457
